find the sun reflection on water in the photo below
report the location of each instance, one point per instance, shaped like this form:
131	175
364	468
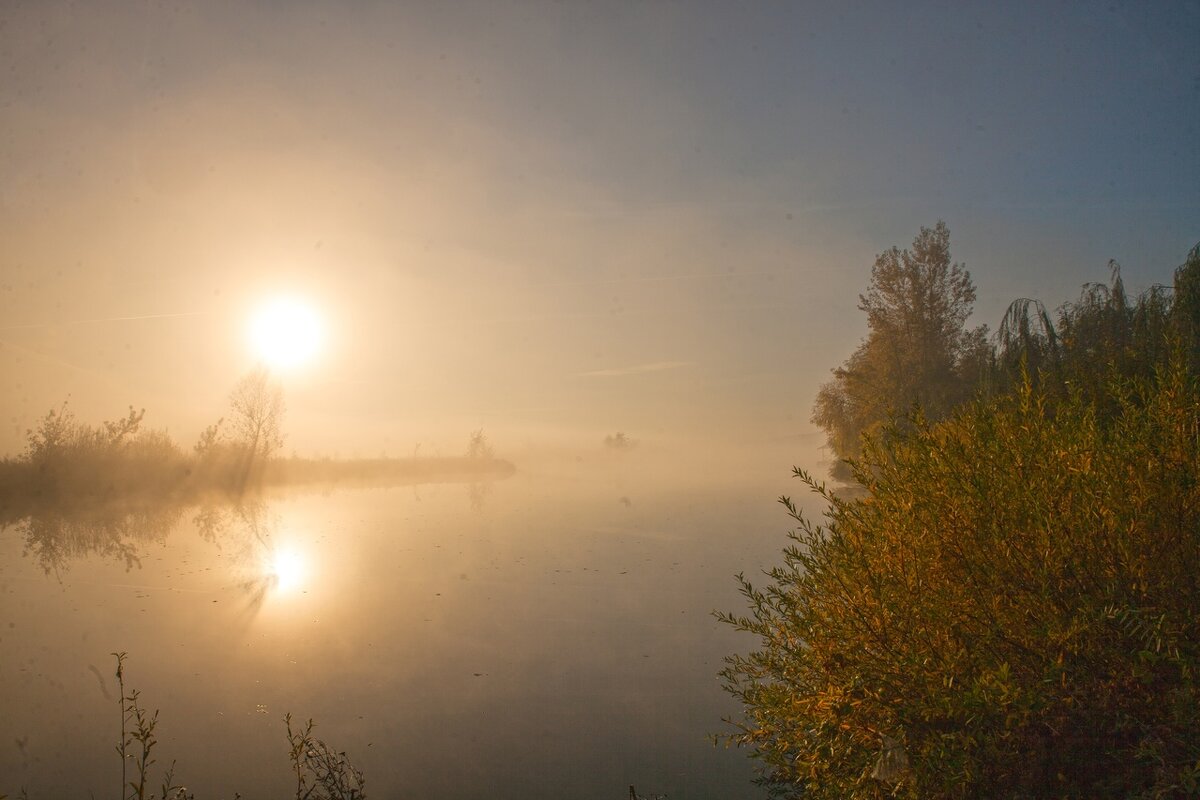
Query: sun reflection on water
287	570
279	573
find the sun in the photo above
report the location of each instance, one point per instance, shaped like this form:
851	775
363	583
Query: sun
286	333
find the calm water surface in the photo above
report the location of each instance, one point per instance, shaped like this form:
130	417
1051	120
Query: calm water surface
544	636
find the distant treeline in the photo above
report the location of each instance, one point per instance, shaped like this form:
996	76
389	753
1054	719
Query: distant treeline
919	354
68	463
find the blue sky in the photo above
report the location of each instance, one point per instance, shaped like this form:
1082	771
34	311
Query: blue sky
557	218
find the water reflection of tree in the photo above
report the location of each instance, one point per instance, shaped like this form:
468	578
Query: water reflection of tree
242	527
55	537
242	531
477	495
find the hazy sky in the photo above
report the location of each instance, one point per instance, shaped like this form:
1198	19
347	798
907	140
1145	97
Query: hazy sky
555	218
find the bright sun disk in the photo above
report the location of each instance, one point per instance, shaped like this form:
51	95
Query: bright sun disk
285	333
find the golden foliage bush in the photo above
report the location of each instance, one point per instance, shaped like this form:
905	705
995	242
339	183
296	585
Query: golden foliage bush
1011	609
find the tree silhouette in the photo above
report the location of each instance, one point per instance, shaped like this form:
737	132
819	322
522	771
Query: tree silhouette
918	351
256	418
479	446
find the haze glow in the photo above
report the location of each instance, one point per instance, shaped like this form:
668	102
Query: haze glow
552	221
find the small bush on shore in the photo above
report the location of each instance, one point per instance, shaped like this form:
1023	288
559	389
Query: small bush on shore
68	460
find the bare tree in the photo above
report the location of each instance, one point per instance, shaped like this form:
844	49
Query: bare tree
479	446
256	414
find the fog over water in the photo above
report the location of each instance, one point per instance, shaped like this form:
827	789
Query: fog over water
544	635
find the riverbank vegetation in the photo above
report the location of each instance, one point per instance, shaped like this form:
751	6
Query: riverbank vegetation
919	352
70	464
1011	608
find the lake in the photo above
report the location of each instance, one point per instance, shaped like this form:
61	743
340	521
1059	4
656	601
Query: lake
548	635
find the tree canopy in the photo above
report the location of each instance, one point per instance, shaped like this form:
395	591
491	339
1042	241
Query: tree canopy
1105	333
918	351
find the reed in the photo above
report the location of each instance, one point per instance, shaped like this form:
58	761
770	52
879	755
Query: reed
322	773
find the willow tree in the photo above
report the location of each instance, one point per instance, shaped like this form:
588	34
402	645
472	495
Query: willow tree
1105	334
918	351
1185	310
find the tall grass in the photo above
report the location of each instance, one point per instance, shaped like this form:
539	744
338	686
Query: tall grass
321	772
